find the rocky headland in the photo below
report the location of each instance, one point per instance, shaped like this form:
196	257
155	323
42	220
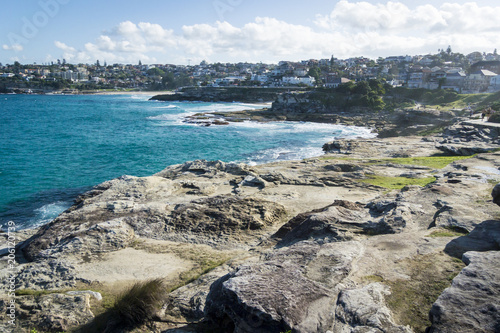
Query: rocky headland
392	234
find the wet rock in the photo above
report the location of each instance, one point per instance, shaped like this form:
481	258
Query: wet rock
471	304
340	146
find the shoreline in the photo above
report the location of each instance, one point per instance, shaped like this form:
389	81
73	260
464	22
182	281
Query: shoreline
324	221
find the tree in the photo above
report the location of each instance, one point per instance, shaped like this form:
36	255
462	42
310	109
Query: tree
155	72
448	50
97	63
140	63
362	88
315	72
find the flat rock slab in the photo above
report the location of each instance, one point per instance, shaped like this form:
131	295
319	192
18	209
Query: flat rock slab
131	265
472	303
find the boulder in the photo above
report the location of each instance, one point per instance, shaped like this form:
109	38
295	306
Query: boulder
484	237
292	289
364	310
471	304
496	194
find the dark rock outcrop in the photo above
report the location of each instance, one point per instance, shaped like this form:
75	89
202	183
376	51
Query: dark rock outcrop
485	237
496	194
230	94
343	220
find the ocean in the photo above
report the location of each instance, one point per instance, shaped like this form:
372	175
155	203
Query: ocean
53	148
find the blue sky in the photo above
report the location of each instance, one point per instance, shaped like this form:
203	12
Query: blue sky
178	32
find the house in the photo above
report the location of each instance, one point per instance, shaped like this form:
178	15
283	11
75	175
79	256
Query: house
478	81
494	84
295	80
332	81
454	80
493	66
262	78
300	70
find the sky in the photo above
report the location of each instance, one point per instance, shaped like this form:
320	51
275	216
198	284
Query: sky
268	31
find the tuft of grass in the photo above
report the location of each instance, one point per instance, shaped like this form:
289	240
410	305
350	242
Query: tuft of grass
411	300
448	232
397	183
129	310
136	306
372	278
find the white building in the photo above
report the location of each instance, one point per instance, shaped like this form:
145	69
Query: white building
295	80
494	84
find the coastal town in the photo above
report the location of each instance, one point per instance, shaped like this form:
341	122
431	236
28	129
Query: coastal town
477	72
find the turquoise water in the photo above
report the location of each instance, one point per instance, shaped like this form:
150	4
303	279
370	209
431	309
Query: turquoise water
54	147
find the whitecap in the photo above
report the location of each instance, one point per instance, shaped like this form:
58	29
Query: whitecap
49	212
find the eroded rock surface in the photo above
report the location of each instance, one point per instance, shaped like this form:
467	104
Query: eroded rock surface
472	303
303	240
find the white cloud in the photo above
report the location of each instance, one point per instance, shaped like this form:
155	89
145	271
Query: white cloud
14	47
351	29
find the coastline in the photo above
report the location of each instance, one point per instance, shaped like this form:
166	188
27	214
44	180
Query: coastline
360	220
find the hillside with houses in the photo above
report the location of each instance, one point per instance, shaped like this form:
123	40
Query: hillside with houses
473	73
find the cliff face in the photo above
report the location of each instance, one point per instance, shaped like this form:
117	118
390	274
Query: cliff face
313	106
308	246
230	94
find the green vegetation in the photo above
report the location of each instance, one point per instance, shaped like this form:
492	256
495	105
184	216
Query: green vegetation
397	183
372	278
133	308
138	304
37	293
412	299
434	162
448	232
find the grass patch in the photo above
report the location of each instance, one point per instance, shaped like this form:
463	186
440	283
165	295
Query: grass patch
397	183
411	300
37	293
448	232
434	162
372	278
203	257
